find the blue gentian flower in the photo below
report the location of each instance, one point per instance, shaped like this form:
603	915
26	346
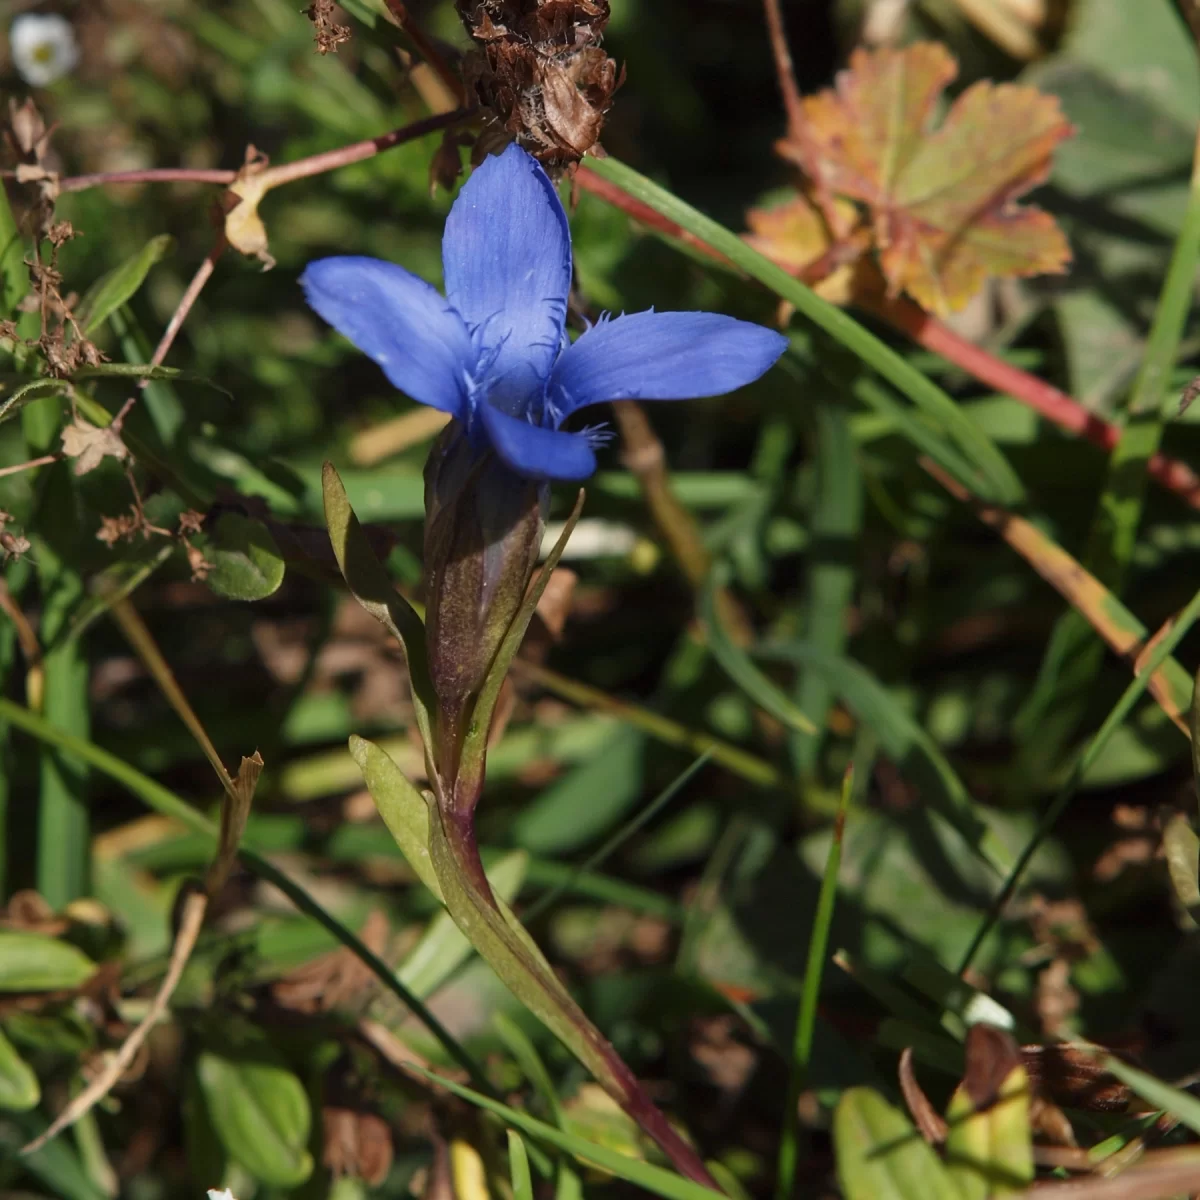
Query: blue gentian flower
494	352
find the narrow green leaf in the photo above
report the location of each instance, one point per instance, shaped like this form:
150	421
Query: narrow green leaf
880	1154
1160	657
530	1062
33	962
737	665
404	810
835	524
518	1164
115	583
371	587
1180	1104
260	1112
443	948
19	1088
806	1016
903	741
14	274
246	563
157	797
120	284
37	389
654	1179
1049	719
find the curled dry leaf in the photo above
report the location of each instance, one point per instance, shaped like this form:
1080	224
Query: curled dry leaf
244	228
89	445
540	69
939	204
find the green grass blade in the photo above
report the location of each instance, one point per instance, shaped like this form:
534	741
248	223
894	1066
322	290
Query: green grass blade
1120	711
617	839
806	1017
835	524
1074	657
735	662
518	1165
903	741
1180	1104
992	477
644	1175
159	798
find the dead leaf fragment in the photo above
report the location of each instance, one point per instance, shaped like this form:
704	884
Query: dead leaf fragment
89	445
244	228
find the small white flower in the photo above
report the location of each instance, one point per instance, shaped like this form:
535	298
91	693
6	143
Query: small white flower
213	1194
43	47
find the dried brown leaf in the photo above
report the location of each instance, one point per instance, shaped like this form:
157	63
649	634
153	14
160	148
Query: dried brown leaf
89	445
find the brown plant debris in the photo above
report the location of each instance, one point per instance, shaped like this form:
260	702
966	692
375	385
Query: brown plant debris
541	71
327	30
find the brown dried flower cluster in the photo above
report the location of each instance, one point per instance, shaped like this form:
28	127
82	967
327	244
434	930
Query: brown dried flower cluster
540	69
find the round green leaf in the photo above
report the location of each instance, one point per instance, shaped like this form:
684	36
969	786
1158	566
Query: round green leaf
246	563
260	1112
32	962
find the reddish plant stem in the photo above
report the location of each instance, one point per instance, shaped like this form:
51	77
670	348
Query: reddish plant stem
202	276
793	104
315	164
357	151
80	183
927	331
45	460
1066	412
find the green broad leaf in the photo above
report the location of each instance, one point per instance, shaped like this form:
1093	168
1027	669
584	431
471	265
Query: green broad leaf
246	563
880	1154
1182	849
37	389
19	1089
588	800
261	1115
404	810
371	587
518	1165
443	948
120	284
735	662
32	962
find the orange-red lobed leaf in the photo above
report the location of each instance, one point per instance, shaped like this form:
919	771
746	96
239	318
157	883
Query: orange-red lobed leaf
942	202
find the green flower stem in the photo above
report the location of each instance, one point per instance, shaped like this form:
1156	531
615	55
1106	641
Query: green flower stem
508	949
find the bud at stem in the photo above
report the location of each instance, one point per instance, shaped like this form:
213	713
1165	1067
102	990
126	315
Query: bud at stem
483	531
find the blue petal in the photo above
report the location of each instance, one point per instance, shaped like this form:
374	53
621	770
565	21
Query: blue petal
537	453
661	356
401	322
506	252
